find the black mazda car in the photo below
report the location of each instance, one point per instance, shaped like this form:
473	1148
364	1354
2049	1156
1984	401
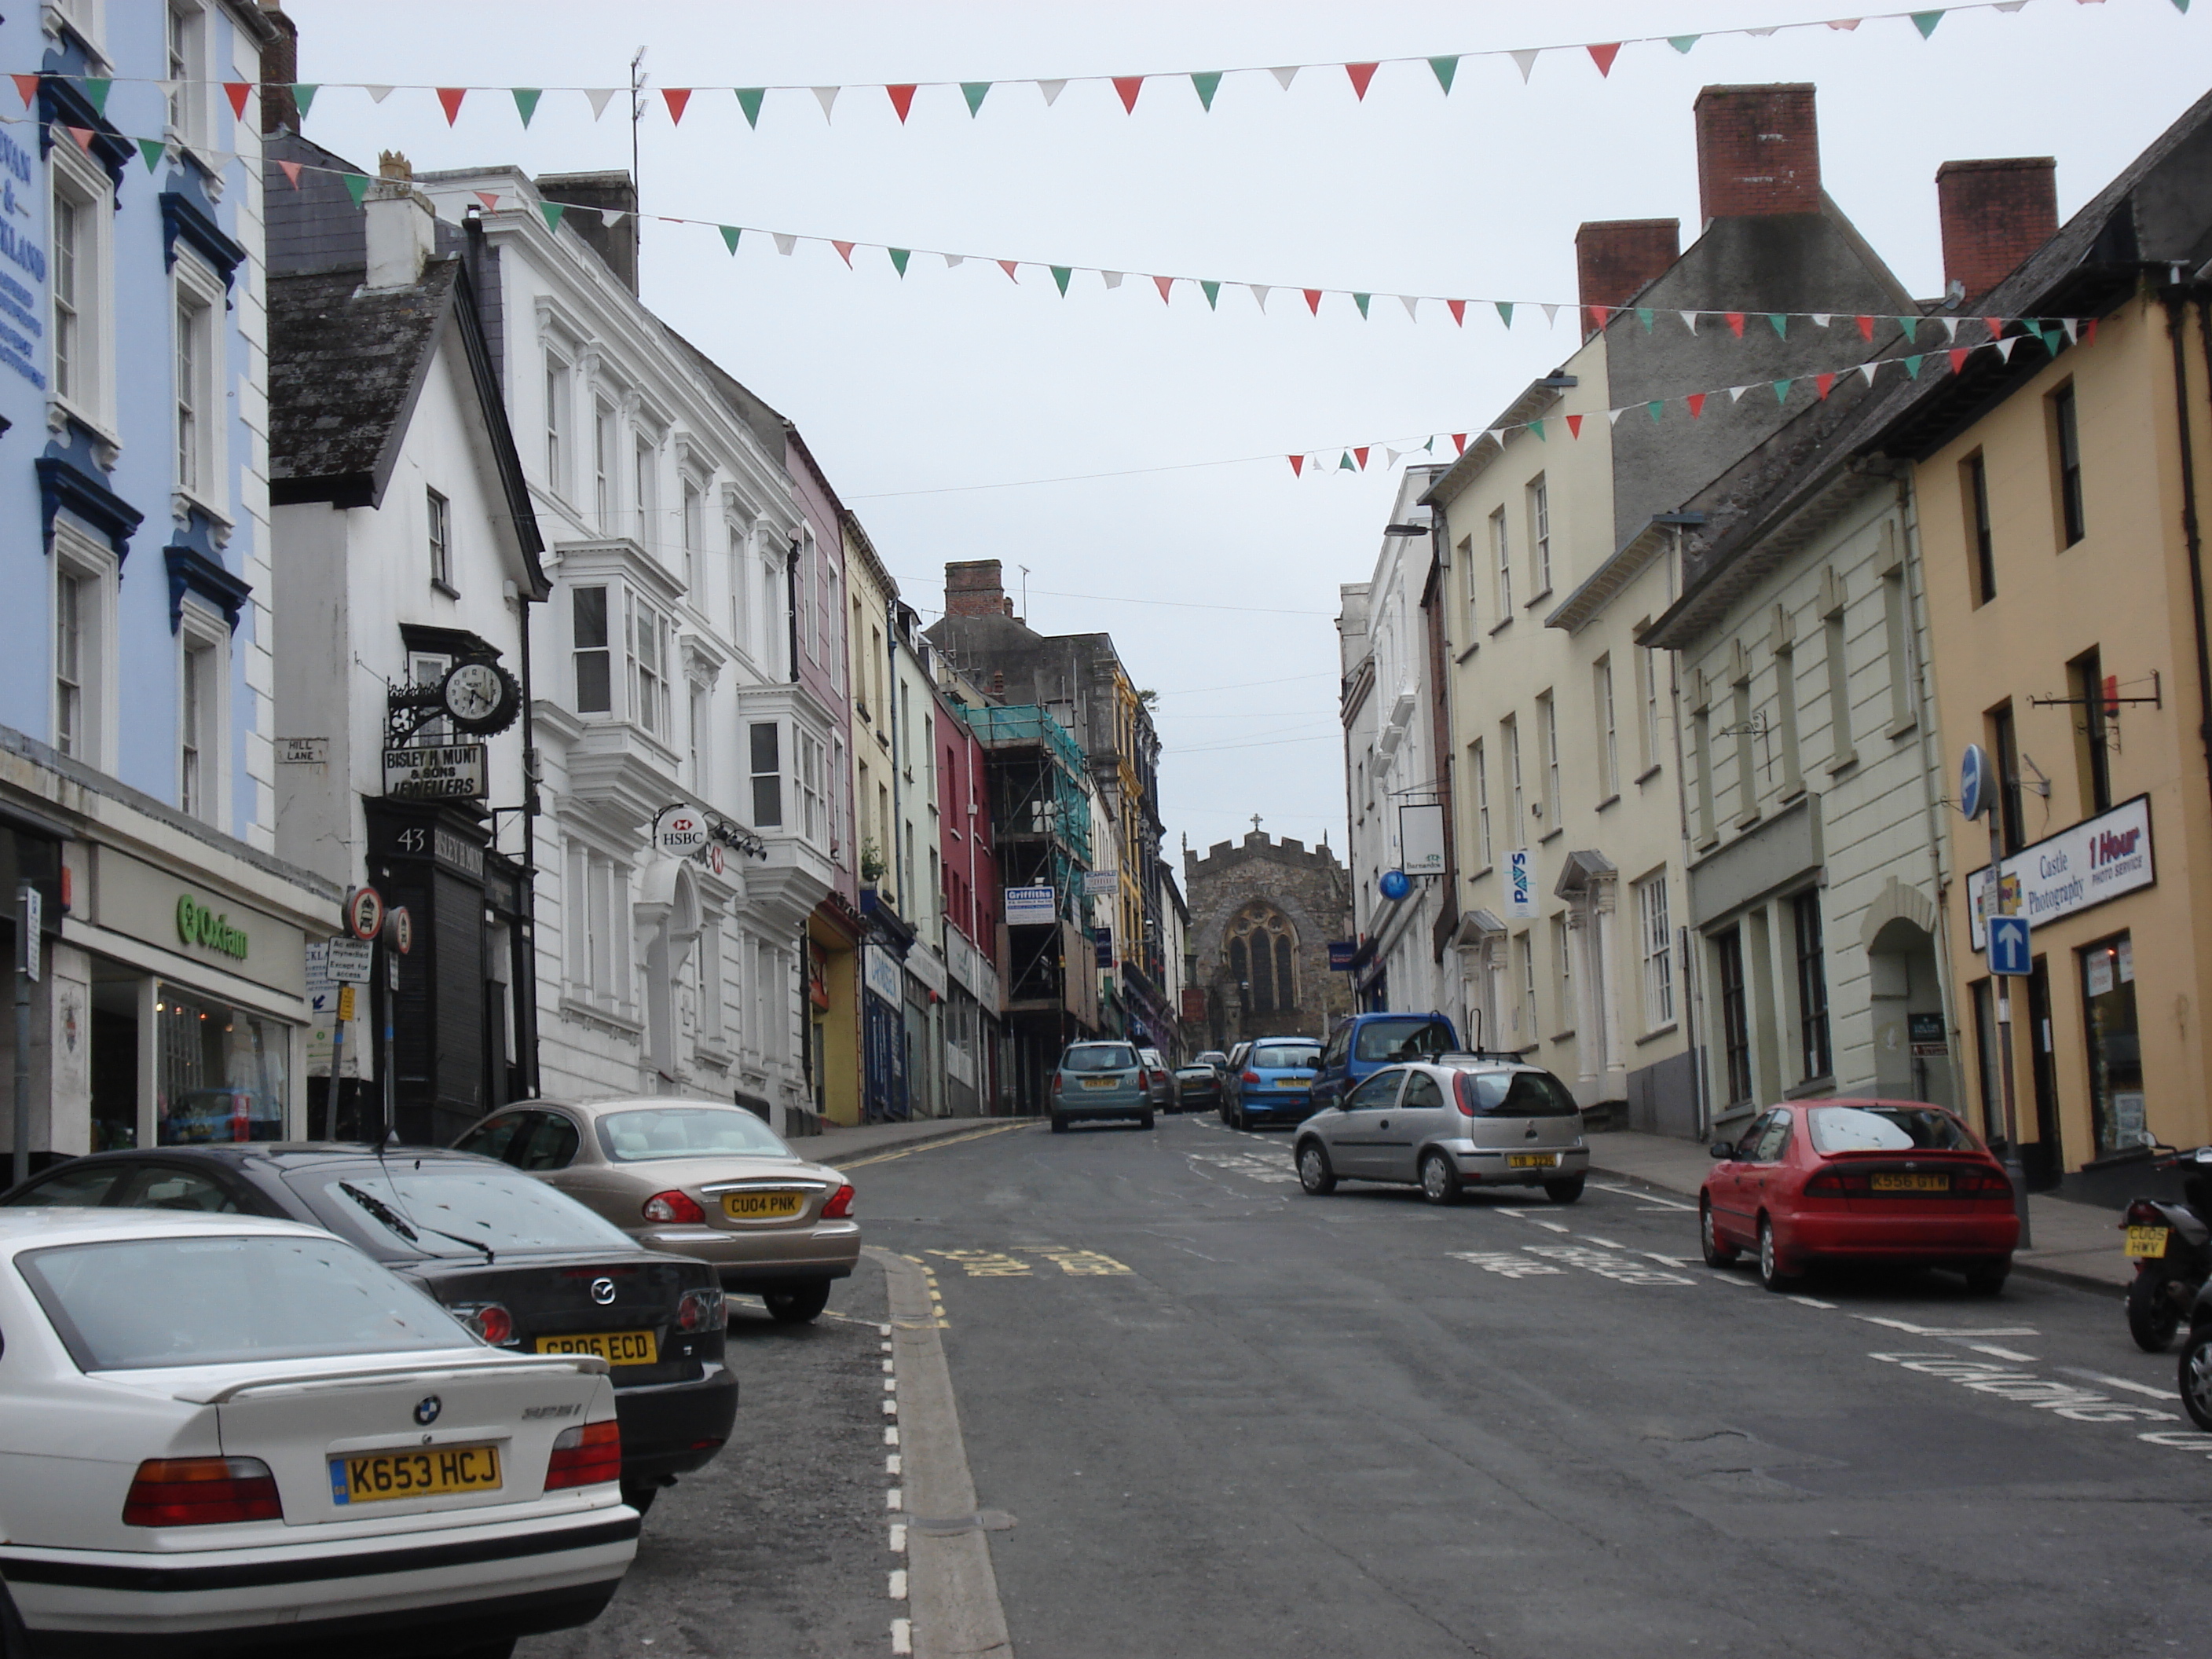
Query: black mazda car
521	1265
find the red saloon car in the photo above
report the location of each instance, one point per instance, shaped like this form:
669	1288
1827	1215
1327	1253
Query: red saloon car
1893	1182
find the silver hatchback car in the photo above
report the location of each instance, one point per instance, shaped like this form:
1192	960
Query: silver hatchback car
1458	1121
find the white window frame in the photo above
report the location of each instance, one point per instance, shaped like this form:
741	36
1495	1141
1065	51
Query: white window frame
197	301
646	677
92	564
772	773
438	538
713	1016
1479	765
610	605
1547	733
1608	729
90	394
596	908
1647	669
812	802
1501	564
644	489
739	532
560	393
202	748
606	492
808	582
1540	536
425	671
1655	951
88	18
1563	983
188	61
701	735
692	530
1516	794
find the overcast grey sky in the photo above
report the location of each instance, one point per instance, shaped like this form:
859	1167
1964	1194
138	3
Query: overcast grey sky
1218	582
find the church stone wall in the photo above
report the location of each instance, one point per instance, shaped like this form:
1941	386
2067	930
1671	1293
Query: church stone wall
1262	877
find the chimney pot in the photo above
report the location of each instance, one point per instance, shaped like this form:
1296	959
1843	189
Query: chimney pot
1995	213
1615	258
401	226
973	587
1758	151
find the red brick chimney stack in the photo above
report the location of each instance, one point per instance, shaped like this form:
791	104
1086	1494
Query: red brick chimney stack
1615	258
972	588
1758	151
1995	213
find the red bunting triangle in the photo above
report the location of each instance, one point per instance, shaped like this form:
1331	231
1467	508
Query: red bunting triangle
1163	284
1736	322
1128	86
449	99
1697	402
489	199
1360	455
1459	443
901	99
1823	382
1996	326
84	135
1008	265
1597	315
1958	354
291	172
1361	74
1866	328
238	91
844	252
2089	331
1574	425
28	85
1603	57
1313	301
1458	309
1298	466
677	97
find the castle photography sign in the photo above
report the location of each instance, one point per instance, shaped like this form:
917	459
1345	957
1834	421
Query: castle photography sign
450	771
2096	859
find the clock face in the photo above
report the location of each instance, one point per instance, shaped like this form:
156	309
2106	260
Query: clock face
473	691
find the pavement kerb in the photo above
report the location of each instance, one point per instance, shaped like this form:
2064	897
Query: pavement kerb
952	1594
2030	1269
844	1142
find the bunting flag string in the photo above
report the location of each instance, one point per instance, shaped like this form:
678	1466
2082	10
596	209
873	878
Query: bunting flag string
1443	69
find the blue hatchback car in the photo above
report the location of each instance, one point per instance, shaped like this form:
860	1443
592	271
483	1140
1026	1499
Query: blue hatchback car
1366	1043
1274	1084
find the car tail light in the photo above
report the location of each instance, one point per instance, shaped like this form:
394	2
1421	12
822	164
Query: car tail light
487	1319
701	1311
1981	1183
201	1492
589	1454
1251	1077
1055	1083
2140	1214
840	1207
673	1207
1144	1079
1835	1184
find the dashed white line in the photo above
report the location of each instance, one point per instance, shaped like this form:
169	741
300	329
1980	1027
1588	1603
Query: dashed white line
891	1407
898	1538
890	1433
892	1464
1651	1200
1610	1244
1552	1226
901	1636
2109	1381
894	1499
887	1363
1943	1330
1991	1349
1813	1301
890	1385
898	1584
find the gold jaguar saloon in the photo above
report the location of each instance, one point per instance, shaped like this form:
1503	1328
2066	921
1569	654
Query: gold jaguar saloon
701	1178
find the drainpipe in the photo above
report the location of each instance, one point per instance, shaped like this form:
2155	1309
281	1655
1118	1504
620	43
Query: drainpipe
791	603
2176	327
1687	934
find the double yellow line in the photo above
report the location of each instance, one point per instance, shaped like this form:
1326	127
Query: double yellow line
931	1146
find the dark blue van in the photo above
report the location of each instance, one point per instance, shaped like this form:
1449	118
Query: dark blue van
1367	1043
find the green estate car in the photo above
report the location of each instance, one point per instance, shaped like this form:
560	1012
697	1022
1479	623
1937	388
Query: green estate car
1096	1081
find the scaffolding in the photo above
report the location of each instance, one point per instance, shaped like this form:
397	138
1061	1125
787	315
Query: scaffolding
1040	813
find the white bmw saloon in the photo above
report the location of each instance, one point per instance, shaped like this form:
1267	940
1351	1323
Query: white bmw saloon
220	1434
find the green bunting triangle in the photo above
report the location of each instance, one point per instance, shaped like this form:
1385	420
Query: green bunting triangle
1925	21
1059	275
1643	316
1782	390
1912	328
1505	311
1344	463
899	256
153	149
1779	322
730	235
526	102
1445	69
973	91
1653	406
356	186
1212	292
1537	427
1682	43
749	100
552	210
1361	300
303	94
2181	6
1208	81
1912	367
96	89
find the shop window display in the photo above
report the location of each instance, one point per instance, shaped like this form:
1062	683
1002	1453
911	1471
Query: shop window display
2116	1087
223	1074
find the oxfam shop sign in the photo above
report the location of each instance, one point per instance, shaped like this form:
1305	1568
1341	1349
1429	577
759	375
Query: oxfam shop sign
197	925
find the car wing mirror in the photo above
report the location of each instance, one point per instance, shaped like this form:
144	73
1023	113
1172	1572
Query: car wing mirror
1721	1149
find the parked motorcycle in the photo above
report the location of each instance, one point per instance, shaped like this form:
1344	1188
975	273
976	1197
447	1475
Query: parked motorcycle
2171	1245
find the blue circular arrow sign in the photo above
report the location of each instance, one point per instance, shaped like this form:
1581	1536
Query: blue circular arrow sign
1974	781
1396	885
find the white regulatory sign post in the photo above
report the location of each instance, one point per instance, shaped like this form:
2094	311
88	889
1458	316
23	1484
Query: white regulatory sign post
349	960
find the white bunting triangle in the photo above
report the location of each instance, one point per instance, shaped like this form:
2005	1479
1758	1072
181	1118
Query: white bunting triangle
1259	293
1690	321
377	94
1867	370
827	97
610	216
1950	328
1821	318
599	97
1612	416
2011	5
1113	277
1761	34
1552	315
1413	310
784	244
1497	435
1051	89
1527	61
1285	76
954	261
1736	393
1393	456
2004	347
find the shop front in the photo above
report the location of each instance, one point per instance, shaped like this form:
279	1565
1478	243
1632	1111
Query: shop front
883	1034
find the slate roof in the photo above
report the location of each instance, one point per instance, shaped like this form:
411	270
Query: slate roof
345	369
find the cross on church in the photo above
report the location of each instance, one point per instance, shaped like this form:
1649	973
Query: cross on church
1255	824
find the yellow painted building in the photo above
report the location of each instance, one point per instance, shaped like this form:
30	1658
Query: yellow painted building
2053	495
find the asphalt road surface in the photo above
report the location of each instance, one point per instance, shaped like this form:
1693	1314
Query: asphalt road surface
1229	1418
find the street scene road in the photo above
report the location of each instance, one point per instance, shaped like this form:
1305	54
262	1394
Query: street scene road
1224	1416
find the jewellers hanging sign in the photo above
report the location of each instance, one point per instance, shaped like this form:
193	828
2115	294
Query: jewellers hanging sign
451	771
2097	859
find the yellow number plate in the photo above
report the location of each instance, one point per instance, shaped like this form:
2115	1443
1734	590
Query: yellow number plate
427	1473
762	1206
2146	1240
1912	1183
1531	1160
616	1347
1102	1082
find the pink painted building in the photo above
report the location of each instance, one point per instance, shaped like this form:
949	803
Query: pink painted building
969	878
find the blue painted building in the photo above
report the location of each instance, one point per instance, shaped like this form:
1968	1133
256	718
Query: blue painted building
139	739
